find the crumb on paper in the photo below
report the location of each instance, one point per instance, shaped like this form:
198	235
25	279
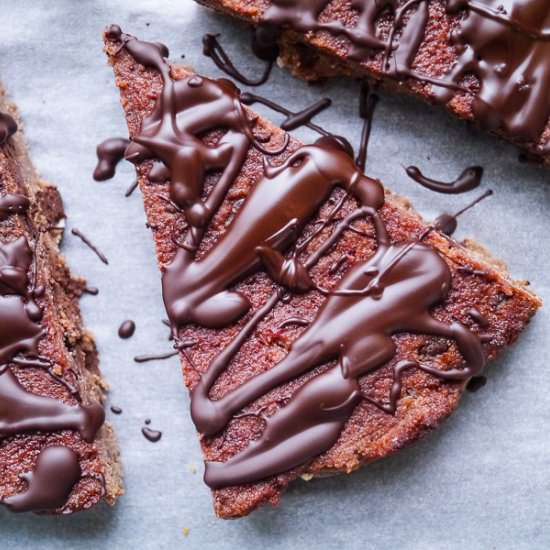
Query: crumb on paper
192	468
307	477
185	531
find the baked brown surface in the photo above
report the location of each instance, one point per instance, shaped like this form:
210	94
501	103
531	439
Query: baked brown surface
478	282
318	55
66	343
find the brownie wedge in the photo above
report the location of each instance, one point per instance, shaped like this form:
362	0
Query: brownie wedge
486	61
321	323
57	454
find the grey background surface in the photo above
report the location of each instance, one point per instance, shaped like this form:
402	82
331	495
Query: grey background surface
481	481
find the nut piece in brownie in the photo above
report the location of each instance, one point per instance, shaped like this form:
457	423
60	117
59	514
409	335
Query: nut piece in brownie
56	452
487	61
321	323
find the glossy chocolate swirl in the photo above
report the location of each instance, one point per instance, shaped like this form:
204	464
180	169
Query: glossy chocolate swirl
505	44
50	483
393	292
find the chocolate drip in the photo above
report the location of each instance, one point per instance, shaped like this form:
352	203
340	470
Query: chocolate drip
11	204
94	291
77	233
469	179
476	383
8	127
505	45
447	223
50	483
126	329
116	410
109	153
157	357
212	48
367	105
152	435
131	188
391	293
293	321
15	260
304	116
22	411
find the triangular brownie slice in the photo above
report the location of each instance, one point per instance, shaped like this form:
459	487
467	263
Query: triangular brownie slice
321	323
56	452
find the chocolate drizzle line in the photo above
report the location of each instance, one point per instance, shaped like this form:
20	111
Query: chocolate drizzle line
50	483
507	50
77	233
212	48
248	98
131	189
8	127
367	105
109	153
469	179
293	121
157	357
393	292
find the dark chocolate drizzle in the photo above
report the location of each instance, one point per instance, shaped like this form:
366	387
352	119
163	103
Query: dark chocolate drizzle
8	127
476	383
50	483
131	188
304	116
367	105
469	179
154	357
127	329
391	293
77	233
212	48
109	153
448	223
150	434
504	44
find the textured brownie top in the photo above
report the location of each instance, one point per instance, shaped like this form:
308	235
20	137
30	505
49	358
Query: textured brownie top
486	60
322	324
56	454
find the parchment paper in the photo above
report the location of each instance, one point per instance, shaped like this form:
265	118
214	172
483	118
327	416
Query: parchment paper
481	481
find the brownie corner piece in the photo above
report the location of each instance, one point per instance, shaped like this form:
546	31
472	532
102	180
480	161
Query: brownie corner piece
322	324
57	455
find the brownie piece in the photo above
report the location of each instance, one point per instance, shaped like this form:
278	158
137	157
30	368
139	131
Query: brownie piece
279	264
484	62
57	454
